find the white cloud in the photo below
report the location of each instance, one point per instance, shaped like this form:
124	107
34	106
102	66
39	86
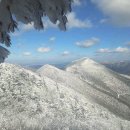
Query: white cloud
103	21
65	53
77	2
121	49
52	39
116	50
104	50
23	28
74	22
48	24
27	27
26	53
117	11
44	49
88	43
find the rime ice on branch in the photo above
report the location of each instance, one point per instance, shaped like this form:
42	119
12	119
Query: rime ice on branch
3	54
31	11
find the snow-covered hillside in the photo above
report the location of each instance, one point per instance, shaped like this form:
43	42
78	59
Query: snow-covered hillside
28	102
67	79
105	81
86	80
98	74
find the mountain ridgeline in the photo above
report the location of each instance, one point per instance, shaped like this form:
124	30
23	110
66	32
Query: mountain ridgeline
120	67
84	96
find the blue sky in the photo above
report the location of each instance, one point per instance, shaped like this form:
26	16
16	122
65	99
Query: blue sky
98	29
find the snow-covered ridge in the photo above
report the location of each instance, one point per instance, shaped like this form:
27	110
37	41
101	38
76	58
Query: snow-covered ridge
84	59
87	67
95	82
126	76
29	100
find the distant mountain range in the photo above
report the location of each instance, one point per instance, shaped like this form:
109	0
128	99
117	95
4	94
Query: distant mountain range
120	67
35	67
84	96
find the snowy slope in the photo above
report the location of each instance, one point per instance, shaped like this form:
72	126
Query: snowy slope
93	88
28	101
91	71
67	79
95	69
105	81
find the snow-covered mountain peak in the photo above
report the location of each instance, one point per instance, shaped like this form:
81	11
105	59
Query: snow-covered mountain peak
84	59
88	61
47	66
84	62
94	71
49	71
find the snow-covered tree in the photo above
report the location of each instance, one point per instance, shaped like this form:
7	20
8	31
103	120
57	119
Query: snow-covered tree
30	11
3	54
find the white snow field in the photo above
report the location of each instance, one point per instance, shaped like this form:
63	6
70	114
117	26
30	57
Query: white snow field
52	99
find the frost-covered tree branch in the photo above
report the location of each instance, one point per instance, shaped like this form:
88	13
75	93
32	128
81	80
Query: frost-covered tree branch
31	11
3	53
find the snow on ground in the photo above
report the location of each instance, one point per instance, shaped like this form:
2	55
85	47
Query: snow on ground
28	102
107	82
92	86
